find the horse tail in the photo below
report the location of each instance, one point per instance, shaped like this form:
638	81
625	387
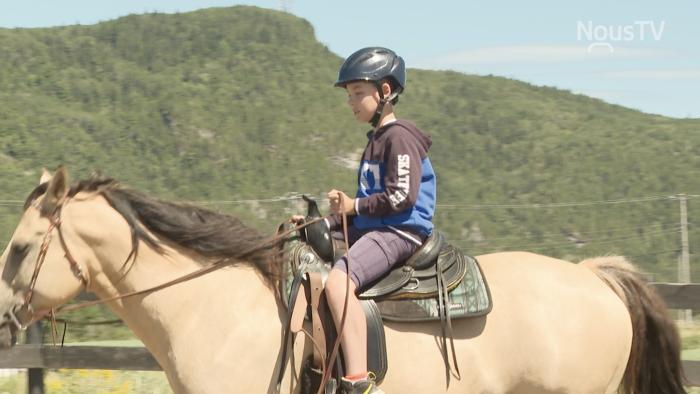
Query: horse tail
654	364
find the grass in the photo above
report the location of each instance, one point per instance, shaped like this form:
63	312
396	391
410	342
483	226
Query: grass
76	381
106	382
93	381
690	338
16	384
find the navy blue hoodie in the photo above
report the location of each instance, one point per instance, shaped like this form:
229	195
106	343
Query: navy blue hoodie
396	181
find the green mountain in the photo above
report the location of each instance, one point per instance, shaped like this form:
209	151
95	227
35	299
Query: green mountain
228	104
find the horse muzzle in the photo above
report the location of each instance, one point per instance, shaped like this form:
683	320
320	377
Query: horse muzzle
8	330
15	319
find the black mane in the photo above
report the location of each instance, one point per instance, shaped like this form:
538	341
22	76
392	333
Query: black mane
212	235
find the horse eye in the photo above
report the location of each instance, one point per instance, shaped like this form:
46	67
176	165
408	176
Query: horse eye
19	249
17	254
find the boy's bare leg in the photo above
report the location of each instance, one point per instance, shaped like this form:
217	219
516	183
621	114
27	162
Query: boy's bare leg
354	338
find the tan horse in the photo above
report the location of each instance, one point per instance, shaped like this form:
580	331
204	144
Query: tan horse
555	327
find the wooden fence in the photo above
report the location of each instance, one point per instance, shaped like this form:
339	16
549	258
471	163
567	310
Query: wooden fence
79	357
683	296
37	357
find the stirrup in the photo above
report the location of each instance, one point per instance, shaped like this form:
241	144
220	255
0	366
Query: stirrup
312	380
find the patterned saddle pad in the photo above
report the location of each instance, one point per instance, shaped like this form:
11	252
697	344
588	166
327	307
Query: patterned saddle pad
470	298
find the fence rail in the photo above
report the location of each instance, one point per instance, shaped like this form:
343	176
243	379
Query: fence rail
34	356
680	295
79	357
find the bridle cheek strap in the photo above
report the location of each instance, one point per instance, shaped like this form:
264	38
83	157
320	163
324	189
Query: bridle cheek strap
54	223
77	270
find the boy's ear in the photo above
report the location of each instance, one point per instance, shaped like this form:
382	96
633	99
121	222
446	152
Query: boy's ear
55	192
386	89
45	176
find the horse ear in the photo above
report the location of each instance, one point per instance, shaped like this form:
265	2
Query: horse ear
45	176
55	192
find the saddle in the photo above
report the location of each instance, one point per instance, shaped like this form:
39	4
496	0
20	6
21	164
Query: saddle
416	278
437	283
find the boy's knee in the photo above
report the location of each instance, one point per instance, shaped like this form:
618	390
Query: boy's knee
335	278
336	286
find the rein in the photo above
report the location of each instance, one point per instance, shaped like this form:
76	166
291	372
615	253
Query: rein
194	274
326	363
55	223
328	367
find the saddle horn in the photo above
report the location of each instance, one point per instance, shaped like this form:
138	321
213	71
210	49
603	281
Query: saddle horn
318	235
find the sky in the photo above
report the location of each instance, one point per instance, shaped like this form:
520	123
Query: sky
640	54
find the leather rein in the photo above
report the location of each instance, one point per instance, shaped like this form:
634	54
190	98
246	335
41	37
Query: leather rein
55	224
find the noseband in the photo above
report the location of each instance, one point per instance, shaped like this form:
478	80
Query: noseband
25	309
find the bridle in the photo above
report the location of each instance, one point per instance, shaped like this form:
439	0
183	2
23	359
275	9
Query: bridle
25	308
54	224
82	275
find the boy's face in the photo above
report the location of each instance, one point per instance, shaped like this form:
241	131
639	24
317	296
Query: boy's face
363	98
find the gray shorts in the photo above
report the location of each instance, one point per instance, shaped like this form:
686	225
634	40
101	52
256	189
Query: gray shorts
372	253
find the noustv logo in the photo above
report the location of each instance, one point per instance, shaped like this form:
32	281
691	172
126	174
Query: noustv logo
605	35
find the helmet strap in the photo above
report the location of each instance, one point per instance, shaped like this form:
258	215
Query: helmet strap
378	113
382	101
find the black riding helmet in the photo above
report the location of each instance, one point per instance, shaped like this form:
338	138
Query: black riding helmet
375	64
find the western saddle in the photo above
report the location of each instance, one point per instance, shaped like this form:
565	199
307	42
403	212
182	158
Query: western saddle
415	290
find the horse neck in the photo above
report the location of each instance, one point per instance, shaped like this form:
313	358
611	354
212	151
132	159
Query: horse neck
232	303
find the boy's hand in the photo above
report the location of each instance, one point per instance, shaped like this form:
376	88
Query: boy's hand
297	219
341	203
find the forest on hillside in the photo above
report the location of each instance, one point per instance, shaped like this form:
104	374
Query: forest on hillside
234	109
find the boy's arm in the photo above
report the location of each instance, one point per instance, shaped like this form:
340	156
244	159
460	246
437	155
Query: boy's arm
333	221
402	179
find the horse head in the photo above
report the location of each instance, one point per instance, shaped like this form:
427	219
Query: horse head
38	273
